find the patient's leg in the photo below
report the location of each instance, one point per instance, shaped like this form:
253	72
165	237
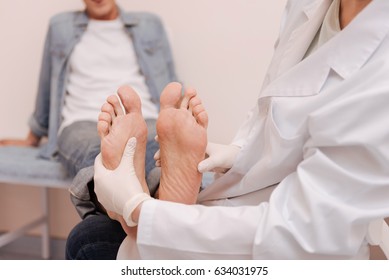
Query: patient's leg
116	127
181	129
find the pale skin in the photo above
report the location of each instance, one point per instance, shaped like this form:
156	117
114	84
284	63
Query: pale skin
181	129
95	9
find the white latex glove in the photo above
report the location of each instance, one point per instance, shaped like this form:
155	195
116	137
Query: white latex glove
119	190
157	155
220	158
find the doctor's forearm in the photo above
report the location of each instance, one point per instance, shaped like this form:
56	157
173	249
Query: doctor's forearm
230	231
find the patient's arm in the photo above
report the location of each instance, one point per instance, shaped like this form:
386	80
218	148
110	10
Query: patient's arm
31	140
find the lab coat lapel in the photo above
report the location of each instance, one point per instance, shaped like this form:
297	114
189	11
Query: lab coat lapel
344	54
302	36
360	39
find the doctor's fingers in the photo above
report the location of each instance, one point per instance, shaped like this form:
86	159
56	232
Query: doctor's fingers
157	158
157	155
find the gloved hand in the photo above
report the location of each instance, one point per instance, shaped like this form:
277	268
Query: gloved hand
157	155
119	190
220	158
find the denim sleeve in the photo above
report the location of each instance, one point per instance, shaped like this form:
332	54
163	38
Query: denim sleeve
39	121
167	53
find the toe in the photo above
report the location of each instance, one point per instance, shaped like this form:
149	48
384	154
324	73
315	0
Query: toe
188	95
105	117
103	124
108	109
130	99
171	95
198	111
194	104
202	118
114	101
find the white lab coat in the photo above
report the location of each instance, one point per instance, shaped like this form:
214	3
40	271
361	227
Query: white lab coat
319	133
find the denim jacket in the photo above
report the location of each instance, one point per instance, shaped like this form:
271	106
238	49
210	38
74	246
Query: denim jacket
65	30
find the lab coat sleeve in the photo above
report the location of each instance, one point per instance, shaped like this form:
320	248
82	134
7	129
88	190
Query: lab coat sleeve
168	56
168	230
320	211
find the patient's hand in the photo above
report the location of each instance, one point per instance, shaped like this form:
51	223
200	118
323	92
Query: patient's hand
30	141
15	142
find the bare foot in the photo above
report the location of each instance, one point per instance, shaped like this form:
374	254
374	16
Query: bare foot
181	129
117	124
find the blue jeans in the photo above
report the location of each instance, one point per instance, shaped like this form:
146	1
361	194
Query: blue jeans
97	237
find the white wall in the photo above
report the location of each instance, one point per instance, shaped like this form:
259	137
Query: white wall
221	47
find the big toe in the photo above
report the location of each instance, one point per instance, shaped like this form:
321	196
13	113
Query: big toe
130	99
171	96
